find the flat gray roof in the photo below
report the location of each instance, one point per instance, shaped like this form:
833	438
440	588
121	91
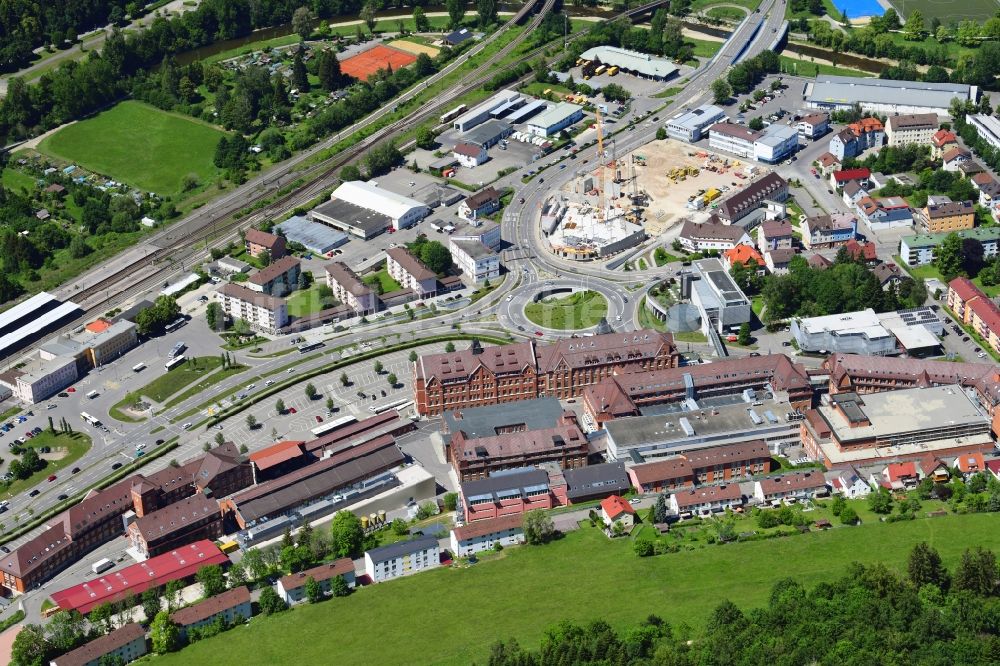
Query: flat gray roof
486	132
832	89
354	216
482	421
473	248
313	235
705	114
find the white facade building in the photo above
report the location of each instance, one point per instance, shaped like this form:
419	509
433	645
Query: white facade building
477	262
41	378
885	96
402	211
402	558
410	272
349	289
691	125
267	314
483	535
988	128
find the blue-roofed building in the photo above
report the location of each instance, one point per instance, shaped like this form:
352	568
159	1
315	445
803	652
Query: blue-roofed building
313	236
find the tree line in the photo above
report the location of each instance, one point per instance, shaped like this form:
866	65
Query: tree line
871	615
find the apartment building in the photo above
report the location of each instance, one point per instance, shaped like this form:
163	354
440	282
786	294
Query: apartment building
793	486
268	314
402	558
941	214
480	204
911	128
39	378
484	535
278	278
477	262
231	606
349	289
258	242
706	500
125	644
292	588
410	272
712	234
813	125
829	230
742	206
974	308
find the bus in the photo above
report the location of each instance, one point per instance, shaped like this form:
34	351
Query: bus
175	324
178	348
174	362
90	419
309	346
398	405
330	426
229	546
138	367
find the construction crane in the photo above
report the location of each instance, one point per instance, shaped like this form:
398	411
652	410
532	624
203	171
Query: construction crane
599	172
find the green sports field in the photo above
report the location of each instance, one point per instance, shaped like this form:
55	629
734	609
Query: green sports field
947	10
451	616
140	145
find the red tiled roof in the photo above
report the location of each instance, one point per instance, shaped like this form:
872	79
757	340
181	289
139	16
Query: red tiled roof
970	462
796	481
901	470
993	465
742	254
480	528
827	159
468	149
258	237
988	312
965	289
276	454
319	574
180	563
615	506
661	470
942	137
211	606
852	174
696	496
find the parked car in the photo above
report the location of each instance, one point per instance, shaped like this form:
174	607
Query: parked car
291	410
319	419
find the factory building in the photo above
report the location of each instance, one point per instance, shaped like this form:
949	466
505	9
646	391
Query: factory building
554	119
885	96
691	125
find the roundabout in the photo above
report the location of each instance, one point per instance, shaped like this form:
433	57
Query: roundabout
574	311
556	307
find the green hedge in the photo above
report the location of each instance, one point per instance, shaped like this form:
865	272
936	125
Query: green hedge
11	621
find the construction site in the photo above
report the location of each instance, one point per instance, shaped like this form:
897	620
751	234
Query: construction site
598	213
674	182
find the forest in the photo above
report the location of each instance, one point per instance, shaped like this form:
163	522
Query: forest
872	615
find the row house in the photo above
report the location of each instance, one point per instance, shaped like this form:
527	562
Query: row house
974	308
231	607
829	230
793	486
485	535
706	500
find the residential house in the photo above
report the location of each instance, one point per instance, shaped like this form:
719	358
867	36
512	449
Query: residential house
866	252
889	275
935	469
970	168
706	500
828	230
884	213
792	486
484	535
258	242
941	141
402	558
712	234
292	588
844	144
813	125
850	484
774	234
911	128
900	475
616	510
469	154
870	133
953	158
943	214
476	261
778	260
480	204
742	254
232	607
839	179
819	262
852	192
993	467
828	163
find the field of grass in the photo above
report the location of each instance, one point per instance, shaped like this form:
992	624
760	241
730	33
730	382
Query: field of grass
75	445
167	384
702	5
582	577
726	13
208	381
580	310
807	68
703	48
15	180
690	336
307	301
947	10
382	277
140	145
647	320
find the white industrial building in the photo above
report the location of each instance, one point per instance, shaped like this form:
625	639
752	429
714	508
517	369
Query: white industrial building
402	558
885	96
554	119
988	128
632	62
481	112
867	333
691	125
402	211
477	262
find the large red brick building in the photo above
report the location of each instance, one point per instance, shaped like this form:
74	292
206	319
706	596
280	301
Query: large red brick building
712	465
628	390
488	376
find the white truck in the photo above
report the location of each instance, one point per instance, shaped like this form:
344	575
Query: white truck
102	565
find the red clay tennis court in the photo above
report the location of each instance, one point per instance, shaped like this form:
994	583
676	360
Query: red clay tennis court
379	57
